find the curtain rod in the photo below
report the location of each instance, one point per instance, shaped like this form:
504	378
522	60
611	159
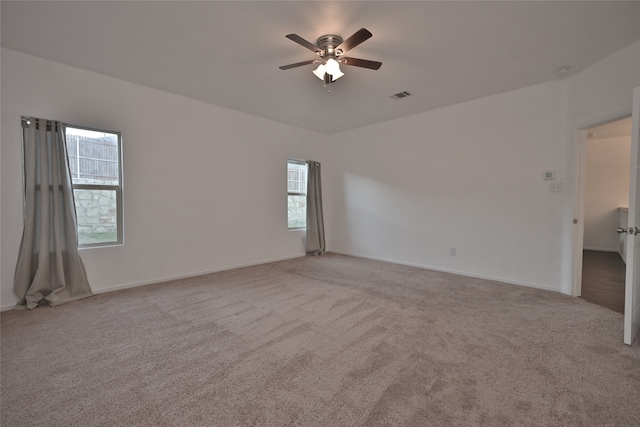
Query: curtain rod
301	162
49	123
26	119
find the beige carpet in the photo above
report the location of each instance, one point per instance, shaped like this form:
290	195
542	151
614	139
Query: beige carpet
320	341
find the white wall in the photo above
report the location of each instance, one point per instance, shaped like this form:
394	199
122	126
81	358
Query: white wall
607	189
469	177
604	91
205	187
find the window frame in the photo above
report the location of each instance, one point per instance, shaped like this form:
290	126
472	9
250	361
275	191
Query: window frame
300	163
117	188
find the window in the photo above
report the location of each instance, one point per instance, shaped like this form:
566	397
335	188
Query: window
297	194
95	162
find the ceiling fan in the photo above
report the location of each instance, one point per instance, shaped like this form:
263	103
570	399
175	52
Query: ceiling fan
330	49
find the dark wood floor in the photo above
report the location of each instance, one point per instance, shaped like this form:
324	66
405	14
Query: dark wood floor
603	279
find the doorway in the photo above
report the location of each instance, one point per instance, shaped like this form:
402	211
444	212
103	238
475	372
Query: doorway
607	150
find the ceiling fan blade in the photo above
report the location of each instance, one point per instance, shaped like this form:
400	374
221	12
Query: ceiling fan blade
364	63
361	35
298	64
304	43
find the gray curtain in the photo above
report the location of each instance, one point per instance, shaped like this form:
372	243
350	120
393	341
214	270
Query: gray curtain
315	222
49	268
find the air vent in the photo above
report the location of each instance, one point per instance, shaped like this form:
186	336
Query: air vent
400	95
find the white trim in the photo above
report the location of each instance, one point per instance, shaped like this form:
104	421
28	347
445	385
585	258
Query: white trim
579	138
188	275
178	277
580	131
601	249
631	296
457	272
612	116
410	264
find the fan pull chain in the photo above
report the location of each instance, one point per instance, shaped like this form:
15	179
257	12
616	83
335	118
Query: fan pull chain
327	83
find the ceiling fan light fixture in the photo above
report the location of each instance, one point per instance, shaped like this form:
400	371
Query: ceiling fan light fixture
337	75
324	69
330	48
332	67
319	72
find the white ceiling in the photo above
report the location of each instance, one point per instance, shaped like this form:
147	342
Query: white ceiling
228	53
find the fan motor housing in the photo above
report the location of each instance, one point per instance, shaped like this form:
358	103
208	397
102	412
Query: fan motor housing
328	44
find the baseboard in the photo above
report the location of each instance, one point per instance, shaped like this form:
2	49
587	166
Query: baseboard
178	277
393	261
460	273
199	273
600	249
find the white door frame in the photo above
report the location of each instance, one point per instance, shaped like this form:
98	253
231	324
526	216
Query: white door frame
580	144
632	280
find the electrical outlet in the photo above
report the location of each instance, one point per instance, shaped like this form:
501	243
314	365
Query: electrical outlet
452	251
555	187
